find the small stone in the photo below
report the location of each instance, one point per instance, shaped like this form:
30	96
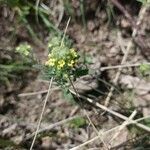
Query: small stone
46	142
10	130
90	25
125	24
18	139
114	51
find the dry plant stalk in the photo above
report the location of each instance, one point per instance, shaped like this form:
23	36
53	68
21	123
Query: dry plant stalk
41	115
104	134
124	124
111	111
134	33
86	114
47	96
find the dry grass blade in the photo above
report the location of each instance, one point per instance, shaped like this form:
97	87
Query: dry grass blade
37	93
86	114
123	126
53	126
111	111
65	31
104	134
38	126
123	66
32	93
41	116
141	15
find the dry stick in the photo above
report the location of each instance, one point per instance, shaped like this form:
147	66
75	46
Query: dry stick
65	31
111	111
77	92
141	14
36	93
48	91
124	11
114	113
32	93
97	132
41	116
59	123
140	42
49	127
105	133
123	66
124	124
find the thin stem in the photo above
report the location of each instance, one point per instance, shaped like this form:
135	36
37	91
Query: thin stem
41	116
123	66
97	132
65	31
111	111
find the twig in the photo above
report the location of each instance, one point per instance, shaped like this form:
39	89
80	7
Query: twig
123	66
111	111
104	134
125	12
41	116
32	93
36	93
65	31
53	126
124	124
141	14
84	111
139	41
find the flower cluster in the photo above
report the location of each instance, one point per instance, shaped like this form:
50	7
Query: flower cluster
24	49
61	60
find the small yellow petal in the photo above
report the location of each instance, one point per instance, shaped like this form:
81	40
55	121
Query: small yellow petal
49	45
61	64
73	52
71	63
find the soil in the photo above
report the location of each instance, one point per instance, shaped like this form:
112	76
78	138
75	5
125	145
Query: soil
104	39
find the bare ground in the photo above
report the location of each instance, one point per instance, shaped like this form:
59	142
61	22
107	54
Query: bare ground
106	43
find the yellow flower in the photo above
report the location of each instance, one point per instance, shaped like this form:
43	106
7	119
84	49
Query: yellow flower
24	49
61	63
70	64
50	62
26	53
73	52
49	55
28	47
49	45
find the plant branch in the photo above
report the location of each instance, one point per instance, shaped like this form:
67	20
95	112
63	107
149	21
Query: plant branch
41	116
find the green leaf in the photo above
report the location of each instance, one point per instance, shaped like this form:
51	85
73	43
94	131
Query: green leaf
12	3
88	60
147	122
81	72
145	69
78	122
144	2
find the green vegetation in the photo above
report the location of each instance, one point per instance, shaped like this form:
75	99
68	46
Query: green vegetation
144	2
63	62
78	122
144	69
20	61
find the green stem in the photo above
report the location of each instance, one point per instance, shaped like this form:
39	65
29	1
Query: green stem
83	13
